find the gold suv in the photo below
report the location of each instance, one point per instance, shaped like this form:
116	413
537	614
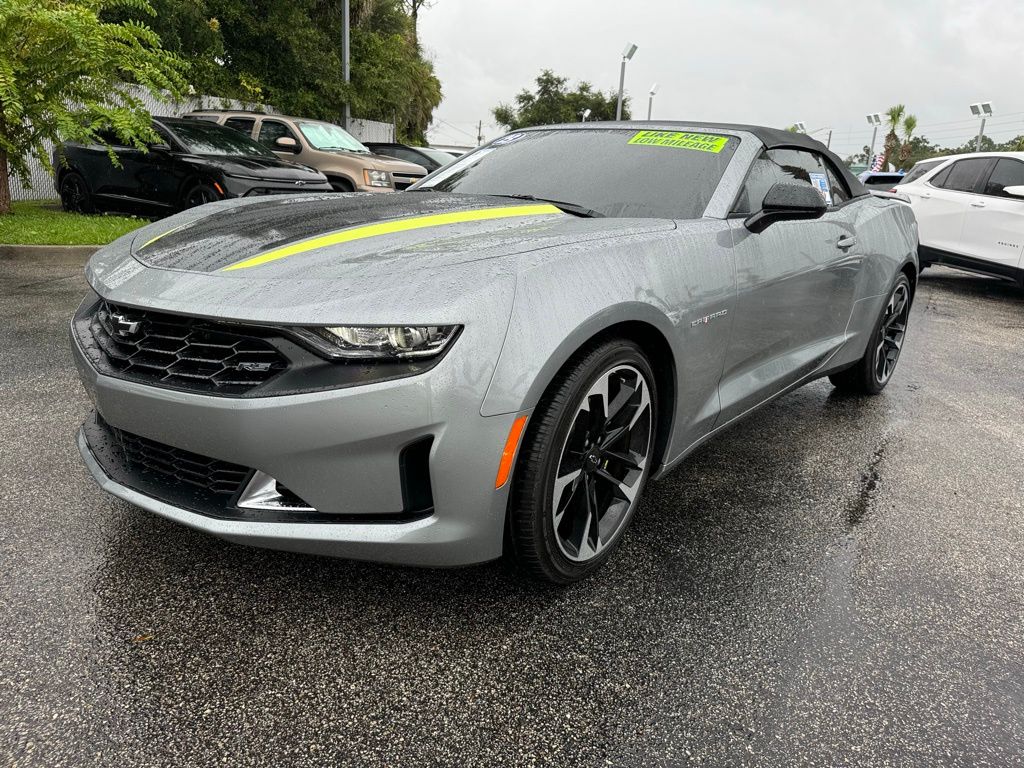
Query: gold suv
329	148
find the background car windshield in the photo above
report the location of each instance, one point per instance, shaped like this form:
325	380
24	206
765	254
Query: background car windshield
202	138
327	136
594	168
437	155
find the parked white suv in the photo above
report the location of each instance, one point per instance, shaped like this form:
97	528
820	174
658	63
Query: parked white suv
970	212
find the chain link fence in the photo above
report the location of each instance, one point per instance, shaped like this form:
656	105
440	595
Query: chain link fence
38	184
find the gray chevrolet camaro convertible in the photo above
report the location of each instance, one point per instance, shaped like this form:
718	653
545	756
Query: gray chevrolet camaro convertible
494	361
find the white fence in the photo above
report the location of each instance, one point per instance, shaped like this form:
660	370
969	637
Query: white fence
40	183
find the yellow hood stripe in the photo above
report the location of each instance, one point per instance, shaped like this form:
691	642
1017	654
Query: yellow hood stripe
391	227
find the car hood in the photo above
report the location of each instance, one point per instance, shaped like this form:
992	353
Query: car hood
365	256
270	168
329	235
394	165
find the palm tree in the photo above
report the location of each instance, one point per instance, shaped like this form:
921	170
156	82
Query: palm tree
894	116
906	150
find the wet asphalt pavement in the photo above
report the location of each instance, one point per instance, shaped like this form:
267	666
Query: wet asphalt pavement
837	581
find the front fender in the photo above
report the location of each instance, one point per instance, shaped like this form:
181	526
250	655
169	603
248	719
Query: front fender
529	361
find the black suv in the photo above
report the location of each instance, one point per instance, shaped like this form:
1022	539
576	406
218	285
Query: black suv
429	158
196	163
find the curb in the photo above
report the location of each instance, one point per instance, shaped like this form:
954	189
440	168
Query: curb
47	251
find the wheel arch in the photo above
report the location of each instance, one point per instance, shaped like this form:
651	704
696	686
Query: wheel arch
339	176
640	323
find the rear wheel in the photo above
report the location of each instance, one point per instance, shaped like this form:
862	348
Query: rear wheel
74	194
873	371
584	463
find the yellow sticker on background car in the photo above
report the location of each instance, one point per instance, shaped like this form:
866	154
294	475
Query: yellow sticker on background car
702	142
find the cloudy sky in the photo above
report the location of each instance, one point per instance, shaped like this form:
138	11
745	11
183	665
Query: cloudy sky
774	62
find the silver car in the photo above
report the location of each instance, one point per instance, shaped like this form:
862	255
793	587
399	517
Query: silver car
496	360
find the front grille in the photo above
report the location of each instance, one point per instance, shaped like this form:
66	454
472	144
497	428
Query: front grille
404	180
177	466
180	352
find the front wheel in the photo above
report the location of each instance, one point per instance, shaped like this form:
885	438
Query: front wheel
584	462
199	194
873	371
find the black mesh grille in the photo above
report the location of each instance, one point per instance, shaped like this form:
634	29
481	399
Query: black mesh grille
181	352
180	466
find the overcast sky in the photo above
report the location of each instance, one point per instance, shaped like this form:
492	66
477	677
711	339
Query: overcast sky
773	62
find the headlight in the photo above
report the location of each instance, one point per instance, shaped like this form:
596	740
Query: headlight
381	342
374	178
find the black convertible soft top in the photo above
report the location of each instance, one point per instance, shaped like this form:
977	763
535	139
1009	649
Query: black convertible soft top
772	138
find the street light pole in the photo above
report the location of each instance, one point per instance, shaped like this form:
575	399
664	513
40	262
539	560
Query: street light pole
627	54
982	109
874	120
650	100
346	72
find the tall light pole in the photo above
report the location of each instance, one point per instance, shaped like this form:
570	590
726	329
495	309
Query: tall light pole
346	72
627	54
982	109
584	115
650	99
874	120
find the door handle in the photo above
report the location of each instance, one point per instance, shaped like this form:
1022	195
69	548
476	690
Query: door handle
846	242
978	204
926	195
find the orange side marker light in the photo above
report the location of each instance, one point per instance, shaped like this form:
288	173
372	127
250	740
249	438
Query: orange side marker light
507	455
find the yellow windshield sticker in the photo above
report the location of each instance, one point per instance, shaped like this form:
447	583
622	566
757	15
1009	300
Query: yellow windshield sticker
392	227
702	142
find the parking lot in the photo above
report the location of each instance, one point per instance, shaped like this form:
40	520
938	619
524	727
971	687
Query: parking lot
836	581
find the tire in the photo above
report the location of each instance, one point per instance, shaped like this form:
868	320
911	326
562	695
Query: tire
199	194
874	370
74	194
568	439
341	185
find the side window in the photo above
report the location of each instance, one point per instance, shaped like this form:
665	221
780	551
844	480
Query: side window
243	124
800	166
963	175
108	136
919	170
271	131
1007	173
763	174
793	166
840	194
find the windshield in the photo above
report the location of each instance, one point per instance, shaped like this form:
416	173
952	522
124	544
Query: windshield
328	136
619	173
203	138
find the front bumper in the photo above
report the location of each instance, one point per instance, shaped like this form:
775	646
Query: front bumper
337	449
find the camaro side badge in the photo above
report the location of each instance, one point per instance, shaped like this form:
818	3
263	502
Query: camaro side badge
708	318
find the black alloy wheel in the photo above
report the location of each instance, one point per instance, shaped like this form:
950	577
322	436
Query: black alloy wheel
74	194
870	374
584	462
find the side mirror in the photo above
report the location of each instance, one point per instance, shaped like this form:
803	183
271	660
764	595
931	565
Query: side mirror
286	144
160	147
787	202
1017	190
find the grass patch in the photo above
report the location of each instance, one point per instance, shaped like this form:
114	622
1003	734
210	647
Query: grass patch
41	222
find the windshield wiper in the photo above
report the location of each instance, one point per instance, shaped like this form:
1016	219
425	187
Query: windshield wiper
574	208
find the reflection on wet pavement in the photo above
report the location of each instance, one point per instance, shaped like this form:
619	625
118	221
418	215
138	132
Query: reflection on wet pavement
836	581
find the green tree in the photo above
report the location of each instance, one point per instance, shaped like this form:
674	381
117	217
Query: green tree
891	145
288	54
553	102
63	75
